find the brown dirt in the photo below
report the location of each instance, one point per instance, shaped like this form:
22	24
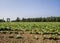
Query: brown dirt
27	38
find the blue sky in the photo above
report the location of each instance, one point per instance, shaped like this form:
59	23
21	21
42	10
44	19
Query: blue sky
29	8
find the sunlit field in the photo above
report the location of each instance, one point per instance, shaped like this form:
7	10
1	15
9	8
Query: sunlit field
48	27
29	32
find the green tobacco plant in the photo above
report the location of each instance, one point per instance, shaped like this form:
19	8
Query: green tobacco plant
44	27
36	37
19	37
44	37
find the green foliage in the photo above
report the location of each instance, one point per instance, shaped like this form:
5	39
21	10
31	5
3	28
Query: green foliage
41	19
44	27
8	19
19	37
51	36
18	19
2	20
36	37
44	37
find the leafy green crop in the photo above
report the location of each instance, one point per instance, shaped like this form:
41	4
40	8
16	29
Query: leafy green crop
44	27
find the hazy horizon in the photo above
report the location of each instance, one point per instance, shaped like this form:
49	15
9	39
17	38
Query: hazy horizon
29	8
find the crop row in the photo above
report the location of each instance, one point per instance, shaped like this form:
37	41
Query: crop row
45	27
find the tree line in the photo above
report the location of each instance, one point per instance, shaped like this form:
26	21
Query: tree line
39	19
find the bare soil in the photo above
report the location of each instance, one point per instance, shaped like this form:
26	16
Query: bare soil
26	38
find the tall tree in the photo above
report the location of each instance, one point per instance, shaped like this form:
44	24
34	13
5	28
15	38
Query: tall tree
18	19
8	19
